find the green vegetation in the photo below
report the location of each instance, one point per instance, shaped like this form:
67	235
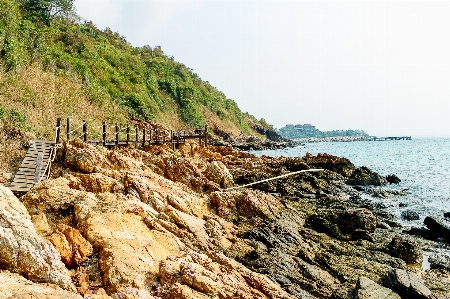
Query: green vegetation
100	69
291	132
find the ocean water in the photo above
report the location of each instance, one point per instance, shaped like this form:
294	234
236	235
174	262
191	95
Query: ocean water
423	165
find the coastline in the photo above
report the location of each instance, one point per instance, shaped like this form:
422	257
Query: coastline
308	236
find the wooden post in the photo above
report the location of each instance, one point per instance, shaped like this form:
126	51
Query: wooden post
84	130
206	135
143	136
104	133
171	140
58	130
128	134
136	129
151	136
117	134
157	137
37	171
68	128
164	137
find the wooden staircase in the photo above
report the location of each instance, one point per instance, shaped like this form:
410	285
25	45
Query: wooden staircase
34	167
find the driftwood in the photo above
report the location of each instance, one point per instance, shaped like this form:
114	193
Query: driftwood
274	178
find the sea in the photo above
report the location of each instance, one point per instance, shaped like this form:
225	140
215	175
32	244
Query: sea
423	165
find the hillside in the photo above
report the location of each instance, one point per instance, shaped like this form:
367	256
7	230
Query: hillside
55	66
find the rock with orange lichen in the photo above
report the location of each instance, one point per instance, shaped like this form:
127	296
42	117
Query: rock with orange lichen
74	249
247	203
22	250
214	276
16	286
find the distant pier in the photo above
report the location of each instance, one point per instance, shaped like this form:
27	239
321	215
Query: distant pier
392	138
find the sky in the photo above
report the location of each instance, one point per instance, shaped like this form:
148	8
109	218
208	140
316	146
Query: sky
378	66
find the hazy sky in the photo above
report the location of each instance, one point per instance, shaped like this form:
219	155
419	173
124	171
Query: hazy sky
380	66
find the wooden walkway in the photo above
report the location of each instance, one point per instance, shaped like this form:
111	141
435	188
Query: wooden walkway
34	167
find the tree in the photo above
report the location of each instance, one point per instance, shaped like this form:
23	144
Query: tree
47	10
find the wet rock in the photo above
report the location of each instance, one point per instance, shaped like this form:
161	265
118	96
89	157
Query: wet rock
406	248
393	179
340	165
365	176
393	223
407	284
383	225
22	250
72	246
438	228
418	231
410	215
361	234
353	219
368	289
440	260
16	286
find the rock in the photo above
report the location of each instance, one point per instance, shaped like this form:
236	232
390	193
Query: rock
16	286
383	225
393	223
365	176
22	250
219	173
393	179
440	260
407	284
410	215
249	203
74	249
41	225
353	219
438	228
361	234
368	289
406	248
418	231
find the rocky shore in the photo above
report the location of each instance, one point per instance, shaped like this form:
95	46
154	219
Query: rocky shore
156	223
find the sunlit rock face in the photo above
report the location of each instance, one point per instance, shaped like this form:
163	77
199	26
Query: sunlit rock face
22	250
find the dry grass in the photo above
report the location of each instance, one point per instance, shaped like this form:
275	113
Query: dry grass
42	97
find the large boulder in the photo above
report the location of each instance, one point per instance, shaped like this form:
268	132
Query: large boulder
438	228
15	286
407	284
406	248
365	176
357	219
22	250
368	289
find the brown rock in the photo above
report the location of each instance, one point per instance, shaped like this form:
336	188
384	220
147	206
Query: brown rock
22	250
74	249
354	219
406	248
219	173
16	286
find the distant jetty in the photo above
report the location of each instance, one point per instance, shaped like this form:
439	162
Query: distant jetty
391	138
348	139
